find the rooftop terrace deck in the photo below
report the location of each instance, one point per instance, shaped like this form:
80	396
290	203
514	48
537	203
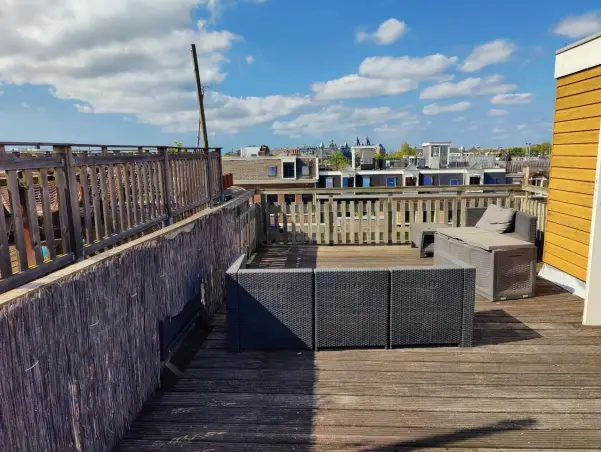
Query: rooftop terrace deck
532	382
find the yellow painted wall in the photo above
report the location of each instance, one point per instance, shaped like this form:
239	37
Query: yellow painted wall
573	165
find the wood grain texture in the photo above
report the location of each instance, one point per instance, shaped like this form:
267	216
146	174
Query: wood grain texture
578	100
589	136
568	232
570	114
567	243
574	186
525	385
578	87
573	210
575	150
578	125
568	197
575	162
569	221
583	175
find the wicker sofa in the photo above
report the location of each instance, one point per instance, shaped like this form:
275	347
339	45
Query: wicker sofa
349	307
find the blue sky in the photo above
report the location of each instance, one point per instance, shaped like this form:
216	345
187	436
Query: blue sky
285	73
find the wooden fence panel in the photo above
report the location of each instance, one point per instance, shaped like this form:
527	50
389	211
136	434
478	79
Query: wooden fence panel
47	215
32	221
97	199
384	220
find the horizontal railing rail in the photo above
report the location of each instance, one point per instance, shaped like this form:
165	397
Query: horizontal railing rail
377	216
397	190
101	147
62	205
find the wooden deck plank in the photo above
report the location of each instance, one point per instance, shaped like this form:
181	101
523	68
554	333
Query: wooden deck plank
532	382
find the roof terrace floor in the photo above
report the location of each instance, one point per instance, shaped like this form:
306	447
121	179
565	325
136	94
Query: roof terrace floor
532	382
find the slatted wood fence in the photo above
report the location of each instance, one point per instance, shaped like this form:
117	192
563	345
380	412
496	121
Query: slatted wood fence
71	201
382	219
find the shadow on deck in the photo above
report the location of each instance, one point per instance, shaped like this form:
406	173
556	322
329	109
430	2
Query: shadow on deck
533	381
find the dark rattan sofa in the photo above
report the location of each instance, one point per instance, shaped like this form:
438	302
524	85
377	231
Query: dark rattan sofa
329	308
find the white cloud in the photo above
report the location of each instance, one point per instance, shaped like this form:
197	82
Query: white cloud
356	86
435	109
522	127
468	87
388	32
216	6
398	128
385	76
576	27
231	114
25	105
426	67
493	52
459	119
83	108
497	131
511	99
335	118
250	59
497	112
108	56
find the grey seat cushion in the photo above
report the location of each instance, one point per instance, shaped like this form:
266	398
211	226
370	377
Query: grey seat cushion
496	219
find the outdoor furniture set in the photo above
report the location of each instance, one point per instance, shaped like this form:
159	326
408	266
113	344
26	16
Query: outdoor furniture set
325	308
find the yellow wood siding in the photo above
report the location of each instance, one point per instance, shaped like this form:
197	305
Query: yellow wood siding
575	162
573	198
572	114
573	186
569	221
573	171
571	233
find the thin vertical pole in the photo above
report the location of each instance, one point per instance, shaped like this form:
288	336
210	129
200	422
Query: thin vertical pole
166	184
200	94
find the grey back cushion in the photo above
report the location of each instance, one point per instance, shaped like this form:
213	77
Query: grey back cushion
496	219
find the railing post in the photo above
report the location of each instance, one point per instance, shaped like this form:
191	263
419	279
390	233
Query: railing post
166	184
209	176
72	199
389	220
462	202
264	215
330	219
220	179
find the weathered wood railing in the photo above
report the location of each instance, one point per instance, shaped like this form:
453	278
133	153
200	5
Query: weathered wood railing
380	216
67	202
